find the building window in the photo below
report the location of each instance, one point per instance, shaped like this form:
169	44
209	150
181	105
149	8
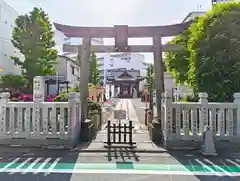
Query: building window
73	70
67	38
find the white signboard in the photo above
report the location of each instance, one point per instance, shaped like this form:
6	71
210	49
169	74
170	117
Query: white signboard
119	114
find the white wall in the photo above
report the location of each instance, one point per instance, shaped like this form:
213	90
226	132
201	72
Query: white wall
7	22
65	66
59	40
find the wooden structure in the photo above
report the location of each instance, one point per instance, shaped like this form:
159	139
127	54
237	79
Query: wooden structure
95	91
120	134
121	33
126	80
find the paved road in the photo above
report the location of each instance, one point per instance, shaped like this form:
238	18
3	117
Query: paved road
73	166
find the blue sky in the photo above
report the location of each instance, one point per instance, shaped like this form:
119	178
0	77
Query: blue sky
110	12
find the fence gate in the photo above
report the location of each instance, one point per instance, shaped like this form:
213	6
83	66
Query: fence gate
119	133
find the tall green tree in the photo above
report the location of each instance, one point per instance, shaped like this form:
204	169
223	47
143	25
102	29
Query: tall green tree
94	70
177	62
211	62
33	36
214	45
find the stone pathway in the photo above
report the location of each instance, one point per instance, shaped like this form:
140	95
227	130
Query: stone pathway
140	132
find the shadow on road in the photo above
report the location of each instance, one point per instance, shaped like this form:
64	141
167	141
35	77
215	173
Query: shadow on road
122	153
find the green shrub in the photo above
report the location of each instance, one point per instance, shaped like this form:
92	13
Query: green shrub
61	97
92	108
189	99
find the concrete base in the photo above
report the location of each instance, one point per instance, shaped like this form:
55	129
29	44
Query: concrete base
155	132
197	145
65	143
88	130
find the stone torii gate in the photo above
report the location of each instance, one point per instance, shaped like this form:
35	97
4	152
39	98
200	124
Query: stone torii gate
121	33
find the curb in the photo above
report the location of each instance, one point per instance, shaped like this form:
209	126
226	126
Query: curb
118	150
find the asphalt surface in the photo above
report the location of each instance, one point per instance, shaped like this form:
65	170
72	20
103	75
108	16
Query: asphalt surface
62	165
92	161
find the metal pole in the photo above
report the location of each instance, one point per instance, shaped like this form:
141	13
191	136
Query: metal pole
57	85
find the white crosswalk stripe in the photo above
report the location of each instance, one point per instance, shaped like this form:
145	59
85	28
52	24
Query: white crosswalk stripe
9	164
52	166
22	164
31	165
46	161
217	167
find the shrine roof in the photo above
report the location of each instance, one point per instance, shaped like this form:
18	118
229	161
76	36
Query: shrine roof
109	32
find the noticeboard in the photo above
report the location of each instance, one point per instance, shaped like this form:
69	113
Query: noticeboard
119	114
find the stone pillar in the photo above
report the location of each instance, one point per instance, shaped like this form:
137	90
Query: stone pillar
73	131
38	88
159	73
84	74
167	118
203	114
38	97
3	112
236	97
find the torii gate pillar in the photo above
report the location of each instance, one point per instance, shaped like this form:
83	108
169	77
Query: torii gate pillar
159	74
83	60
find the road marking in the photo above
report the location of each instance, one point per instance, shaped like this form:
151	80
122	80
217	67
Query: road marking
218	168
232	162
123	171
42	166
22	164
53	165
9	164
31	165
206	167
201	167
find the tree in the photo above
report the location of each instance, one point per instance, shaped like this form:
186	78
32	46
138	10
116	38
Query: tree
12	81
214	63
211	62
94	70
33	36
177	62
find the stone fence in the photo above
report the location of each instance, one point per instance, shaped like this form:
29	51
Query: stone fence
184	122
40	123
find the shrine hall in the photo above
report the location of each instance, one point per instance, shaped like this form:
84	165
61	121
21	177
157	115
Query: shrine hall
125	82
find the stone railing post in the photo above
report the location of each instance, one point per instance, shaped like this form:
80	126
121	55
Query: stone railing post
167	117
72	111
236	97
3	101
204	111
38	98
